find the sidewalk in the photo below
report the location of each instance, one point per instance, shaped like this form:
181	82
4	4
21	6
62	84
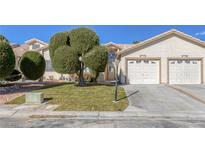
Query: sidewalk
45	111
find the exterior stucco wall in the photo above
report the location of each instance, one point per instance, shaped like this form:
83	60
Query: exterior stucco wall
49	71
166	48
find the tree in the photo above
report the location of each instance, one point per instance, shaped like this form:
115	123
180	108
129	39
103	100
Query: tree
57	40
3	39
96	60
67	54
66	60
83	39
135	42
7	59
32	65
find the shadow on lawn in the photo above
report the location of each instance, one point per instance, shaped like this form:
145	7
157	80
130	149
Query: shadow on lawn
27	87
94	84
47	99
128	95
55	85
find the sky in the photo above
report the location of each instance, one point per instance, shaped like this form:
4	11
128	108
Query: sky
107	33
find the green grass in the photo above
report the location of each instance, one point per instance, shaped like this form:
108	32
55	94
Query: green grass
73	98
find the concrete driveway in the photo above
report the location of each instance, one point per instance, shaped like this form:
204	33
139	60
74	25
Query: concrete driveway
195	90
162	99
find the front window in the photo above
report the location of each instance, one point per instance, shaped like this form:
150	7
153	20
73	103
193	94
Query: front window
111	57
35	46
179	61
146	61
138	61
187	61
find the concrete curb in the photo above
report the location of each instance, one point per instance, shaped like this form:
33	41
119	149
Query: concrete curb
115	115
187	92
42	114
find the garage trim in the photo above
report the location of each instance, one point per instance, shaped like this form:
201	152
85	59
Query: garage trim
187	58
141	58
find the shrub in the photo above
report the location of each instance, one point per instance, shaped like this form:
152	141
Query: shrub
7	60
88	76
57	40
65	60
83	39
3	39
14	76
65	49
32	65
97	59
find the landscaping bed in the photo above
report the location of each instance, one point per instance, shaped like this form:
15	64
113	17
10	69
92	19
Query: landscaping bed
70	97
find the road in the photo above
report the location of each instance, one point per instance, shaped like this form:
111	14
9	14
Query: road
93	123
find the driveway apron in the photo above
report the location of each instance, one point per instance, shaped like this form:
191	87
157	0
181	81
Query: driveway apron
160	99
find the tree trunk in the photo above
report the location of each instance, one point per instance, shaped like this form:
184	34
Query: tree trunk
81	79
96	77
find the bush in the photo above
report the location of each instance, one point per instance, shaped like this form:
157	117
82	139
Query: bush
57	40
65	60
14	76
7	60
97	59
88	76
32	65
83	39
3	39
65	49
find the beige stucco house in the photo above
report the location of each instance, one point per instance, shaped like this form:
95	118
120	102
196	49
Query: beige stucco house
172	57
41	47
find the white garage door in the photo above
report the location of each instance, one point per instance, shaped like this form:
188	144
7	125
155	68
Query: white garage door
143	71
184	72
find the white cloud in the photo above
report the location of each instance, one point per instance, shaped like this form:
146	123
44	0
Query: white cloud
200	33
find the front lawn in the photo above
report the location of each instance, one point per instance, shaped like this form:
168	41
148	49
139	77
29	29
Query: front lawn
73	98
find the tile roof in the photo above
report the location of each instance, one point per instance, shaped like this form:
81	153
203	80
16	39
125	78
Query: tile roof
20	50
121	46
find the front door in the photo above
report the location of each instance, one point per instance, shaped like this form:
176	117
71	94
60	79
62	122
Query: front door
110	72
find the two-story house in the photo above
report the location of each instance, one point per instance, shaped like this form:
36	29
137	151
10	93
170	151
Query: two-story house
41	47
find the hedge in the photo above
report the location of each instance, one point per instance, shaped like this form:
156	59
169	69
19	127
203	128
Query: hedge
32	65
7	60
65	60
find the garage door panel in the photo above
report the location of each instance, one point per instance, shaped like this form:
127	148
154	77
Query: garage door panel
143	71
184	71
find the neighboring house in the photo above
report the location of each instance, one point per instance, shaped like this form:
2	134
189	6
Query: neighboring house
172	57
41	47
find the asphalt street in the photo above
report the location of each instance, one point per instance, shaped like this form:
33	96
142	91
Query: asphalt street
109	123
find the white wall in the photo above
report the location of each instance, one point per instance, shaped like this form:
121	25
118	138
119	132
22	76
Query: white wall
49	70
171	47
